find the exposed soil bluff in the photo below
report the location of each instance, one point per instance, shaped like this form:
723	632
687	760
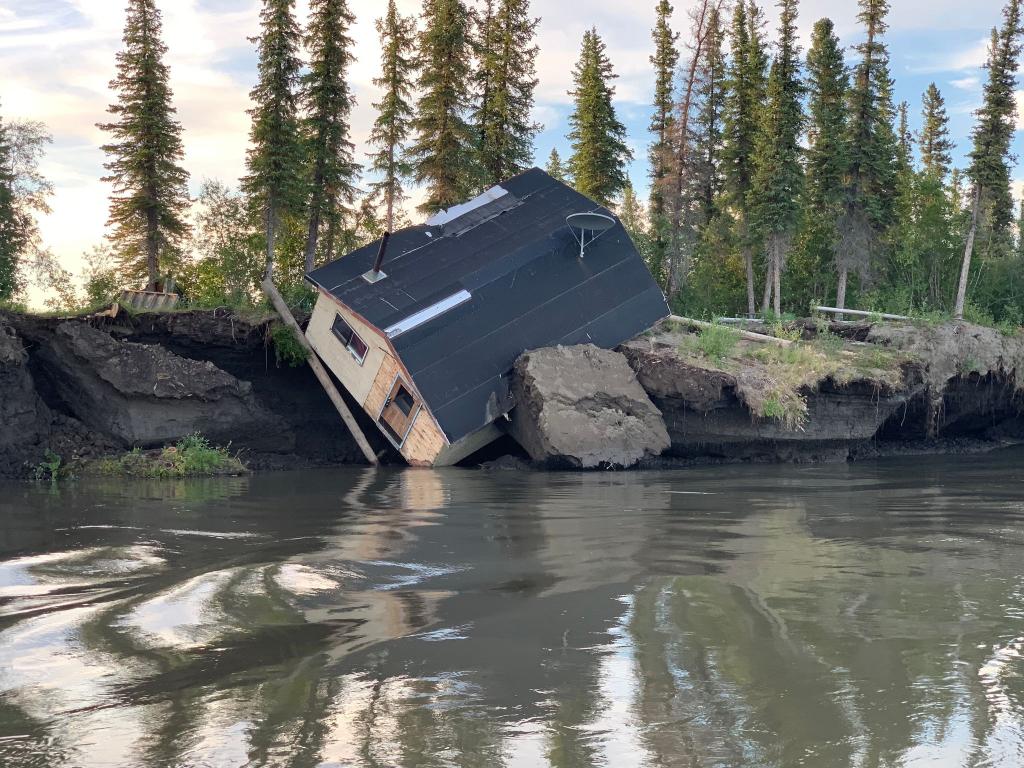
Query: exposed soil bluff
88	387
91	387
951	386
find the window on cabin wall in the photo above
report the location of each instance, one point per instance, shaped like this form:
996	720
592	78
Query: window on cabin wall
344	333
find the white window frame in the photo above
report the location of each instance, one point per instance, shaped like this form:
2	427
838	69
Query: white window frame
348	344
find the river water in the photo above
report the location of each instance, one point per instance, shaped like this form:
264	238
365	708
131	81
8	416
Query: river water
845	615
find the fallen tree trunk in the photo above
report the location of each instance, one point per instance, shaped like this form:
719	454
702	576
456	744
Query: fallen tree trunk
748	335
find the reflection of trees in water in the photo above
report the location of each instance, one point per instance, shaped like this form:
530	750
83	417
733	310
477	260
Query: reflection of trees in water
851	650
786	631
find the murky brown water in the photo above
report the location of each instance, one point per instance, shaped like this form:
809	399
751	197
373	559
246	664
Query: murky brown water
862	615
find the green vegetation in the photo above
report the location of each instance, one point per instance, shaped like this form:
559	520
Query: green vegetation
598	138
773	379
51	468
149	204
717	342
192	456
778	180
287	349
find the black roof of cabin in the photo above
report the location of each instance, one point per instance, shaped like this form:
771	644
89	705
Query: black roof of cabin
519	261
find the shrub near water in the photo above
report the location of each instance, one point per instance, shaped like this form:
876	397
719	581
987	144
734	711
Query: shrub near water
192	456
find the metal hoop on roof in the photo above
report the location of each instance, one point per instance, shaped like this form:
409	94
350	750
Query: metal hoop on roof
593	222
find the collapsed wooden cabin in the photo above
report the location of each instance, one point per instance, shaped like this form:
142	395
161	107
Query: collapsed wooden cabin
423	327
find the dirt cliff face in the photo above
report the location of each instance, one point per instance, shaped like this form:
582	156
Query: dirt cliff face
82	387
960	383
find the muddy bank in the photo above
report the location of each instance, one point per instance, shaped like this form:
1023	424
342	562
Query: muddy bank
86	388
951	388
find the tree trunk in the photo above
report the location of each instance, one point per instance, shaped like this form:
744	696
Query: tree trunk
841	291
152	247
332	233
748	258
777	279
268	272
769	283
312	236
965	269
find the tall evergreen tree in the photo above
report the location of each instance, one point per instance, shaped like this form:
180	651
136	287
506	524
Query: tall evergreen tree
827	155
778	176
442	153
11	228
328	101
393	126
664	60
678	186
148	206
933	139
870	191
506	78
989	170
744	98
707	132
904	139
555	167
598	162
275	157
1020	231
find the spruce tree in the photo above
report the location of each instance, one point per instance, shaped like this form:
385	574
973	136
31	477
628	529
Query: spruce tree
148	206
778	176
275	157
393	126
933	139
11	229
870	191
506	79
328	101
598	162
1020	232
904	140
442	153
827	155
664	60
989	170
744	97
555	167
679	186
707	131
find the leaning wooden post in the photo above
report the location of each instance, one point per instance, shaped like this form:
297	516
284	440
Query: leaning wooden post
321	373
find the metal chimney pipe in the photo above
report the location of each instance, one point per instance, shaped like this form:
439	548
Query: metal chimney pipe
380	253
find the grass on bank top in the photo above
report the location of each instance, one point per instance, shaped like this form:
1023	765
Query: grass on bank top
772	379
192	456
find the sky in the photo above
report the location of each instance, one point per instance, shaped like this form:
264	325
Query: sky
57	58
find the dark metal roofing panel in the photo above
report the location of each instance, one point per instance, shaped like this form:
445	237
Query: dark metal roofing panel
529	289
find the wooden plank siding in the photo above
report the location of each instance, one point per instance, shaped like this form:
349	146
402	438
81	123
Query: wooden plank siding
371	383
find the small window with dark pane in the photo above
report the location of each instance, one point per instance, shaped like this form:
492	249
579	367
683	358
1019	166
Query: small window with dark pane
349	338
404	401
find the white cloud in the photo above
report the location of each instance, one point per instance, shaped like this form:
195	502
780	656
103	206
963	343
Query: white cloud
966	83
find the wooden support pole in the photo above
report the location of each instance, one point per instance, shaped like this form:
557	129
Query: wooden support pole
748	335
321	373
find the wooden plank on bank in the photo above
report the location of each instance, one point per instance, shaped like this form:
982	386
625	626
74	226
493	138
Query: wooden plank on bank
748	335
318	369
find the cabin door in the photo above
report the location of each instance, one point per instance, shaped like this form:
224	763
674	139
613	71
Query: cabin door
399	411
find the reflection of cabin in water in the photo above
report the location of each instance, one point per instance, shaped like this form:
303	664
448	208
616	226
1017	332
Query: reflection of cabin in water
426	343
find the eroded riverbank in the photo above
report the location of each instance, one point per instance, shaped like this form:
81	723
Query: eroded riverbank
88	388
